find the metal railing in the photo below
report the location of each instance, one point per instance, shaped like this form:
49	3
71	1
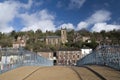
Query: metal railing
106	55
14	58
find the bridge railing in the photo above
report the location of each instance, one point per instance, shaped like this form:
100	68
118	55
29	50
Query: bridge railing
105	55
13	58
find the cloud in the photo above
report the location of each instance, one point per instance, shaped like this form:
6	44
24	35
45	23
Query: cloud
76	4
82	25
104	26
39	20
5	28
8	11
99	16
66	25
44	25
28	5
44	15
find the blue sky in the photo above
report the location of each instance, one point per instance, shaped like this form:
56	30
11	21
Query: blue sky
24	15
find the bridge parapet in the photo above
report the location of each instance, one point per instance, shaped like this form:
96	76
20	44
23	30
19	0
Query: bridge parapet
13	58
104	55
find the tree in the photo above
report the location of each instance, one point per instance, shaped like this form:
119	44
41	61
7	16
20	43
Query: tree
58	32
6	40
38	31
84	32
13	33
92	45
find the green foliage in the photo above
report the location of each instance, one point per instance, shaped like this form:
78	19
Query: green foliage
92	45
70	36
84	32
5	40
36	39
58	32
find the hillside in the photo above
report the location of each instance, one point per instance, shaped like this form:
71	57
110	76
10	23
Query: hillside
75	39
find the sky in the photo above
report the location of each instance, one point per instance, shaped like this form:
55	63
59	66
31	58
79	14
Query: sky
51	15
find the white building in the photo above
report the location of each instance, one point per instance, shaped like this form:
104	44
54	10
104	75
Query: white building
9	59
85	51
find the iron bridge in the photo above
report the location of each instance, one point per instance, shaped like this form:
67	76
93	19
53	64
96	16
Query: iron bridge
13	58
105	55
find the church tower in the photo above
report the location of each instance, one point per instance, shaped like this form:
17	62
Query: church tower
63	36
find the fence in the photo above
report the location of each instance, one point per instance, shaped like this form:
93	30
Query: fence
105	55
13	58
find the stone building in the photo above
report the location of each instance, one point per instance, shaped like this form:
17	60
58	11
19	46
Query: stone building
20	42
68	57
57	40
53	40
77	37
63	36
63	57
85	38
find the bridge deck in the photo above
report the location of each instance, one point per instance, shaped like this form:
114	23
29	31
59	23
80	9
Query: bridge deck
61	73
107	73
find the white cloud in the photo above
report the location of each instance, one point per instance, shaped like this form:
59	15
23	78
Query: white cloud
5	29
99	16
39	20
44	15
43	25
8	11
82	25
98	22
43	20
28	19
104	26
76	4
66	25
28	5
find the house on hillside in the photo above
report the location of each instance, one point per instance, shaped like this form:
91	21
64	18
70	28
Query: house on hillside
20	42
85	38
77	37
